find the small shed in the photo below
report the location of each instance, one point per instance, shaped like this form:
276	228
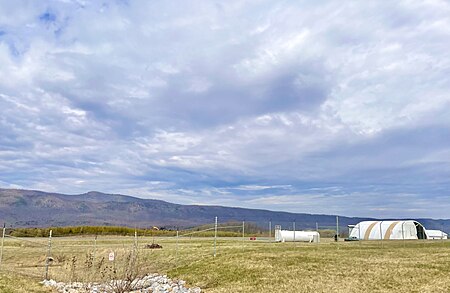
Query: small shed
436	234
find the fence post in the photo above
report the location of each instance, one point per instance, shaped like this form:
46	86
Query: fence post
243	232
337	232
3	241
381	233
176	254
135	240
49	251
293	226
403	235
337	228
95	251
270	229
215	236
359	235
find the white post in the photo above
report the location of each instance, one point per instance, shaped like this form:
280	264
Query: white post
403	234
381	233
49	251
135	240
359	236
95	251
176	256
243	232
270	229
3	241
337	232
293	225
215	236
337	228
318	235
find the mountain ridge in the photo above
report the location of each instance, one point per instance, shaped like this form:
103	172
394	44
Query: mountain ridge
34	208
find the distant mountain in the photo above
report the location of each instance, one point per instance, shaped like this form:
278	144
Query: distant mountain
29	208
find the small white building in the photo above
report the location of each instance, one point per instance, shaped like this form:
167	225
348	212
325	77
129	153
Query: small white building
436	234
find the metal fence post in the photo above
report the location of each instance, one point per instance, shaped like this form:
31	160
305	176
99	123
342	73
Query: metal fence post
403	235
3	241
176	254
49	251
337	228
270	229
359	236
215	236
381	234
243	232
337	232
95	251
293	226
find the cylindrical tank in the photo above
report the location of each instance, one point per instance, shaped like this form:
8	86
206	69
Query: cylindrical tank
301	236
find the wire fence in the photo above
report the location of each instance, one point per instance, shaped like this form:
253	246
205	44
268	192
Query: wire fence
85	258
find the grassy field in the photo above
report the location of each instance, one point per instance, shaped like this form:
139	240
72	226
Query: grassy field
240	266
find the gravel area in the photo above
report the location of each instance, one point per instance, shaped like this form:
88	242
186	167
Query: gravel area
152	283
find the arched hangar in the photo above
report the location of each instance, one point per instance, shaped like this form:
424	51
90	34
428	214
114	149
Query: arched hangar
388	230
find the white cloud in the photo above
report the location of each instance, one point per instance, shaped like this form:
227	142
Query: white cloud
224	103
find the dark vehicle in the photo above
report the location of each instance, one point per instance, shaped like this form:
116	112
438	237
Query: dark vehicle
353	238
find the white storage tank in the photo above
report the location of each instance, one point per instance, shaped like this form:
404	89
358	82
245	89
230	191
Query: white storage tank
297	236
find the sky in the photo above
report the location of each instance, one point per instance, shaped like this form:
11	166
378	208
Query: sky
329	107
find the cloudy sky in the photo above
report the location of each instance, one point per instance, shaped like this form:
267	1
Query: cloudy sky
336	107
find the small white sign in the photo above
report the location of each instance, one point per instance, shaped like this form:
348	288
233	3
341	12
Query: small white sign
111	256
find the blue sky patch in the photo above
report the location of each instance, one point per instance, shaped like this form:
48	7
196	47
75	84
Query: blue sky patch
47	17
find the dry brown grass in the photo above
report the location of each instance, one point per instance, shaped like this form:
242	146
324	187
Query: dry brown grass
250	266
11	282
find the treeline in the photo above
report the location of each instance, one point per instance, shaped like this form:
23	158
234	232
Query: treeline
231	229
222	231
87	230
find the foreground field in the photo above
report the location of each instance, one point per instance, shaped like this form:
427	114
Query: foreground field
239	266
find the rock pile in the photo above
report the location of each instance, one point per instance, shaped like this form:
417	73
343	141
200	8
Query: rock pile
152	283
153	246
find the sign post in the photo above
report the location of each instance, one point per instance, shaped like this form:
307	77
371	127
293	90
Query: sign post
111	256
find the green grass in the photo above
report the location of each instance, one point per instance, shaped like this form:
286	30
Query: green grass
241	266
